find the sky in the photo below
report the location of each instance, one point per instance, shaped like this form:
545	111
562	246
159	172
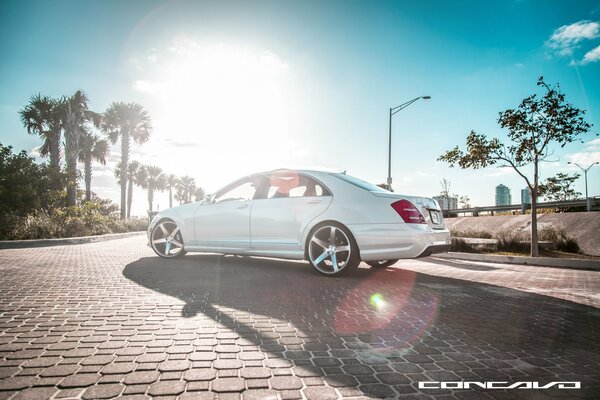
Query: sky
236	87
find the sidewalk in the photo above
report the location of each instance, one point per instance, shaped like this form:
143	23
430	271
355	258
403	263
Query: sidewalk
19	244
534	261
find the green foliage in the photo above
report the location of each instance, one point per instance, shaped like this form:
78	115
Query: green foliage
558	188
91	218
26	186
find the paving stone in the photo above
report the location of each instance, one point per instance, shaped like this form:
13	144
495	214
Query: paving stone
228	364
98	360
256	372
285	383
197	396
36	393
60	370
180	365
103	391
228	385
166	388
143	377
200	374
79	380
320	393
118	368
260	394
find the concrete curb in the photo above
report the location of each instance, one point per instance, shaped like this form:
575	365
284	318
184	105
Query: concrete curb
20	244
538	261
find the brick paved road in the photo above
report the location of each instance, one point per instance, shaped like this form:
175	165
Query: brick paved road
110	319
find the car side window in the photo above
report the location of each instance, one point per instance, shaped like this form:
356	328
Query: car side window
293	185
243	191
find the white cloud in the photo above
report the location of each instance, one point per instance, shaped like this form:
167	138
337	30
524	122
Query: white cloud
145	86
589	155
35	152
568	36
591	56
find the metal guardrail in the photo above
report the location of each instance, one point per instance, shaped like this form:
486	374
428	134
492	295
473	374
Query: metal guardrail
589	203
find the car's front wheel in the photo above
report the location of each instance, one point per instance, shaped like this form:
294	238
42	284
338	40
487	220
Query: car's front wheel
166	240
381	263
332	250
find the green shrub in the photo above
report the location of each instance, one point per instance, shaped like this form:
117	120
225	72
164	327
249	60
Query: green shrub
460	245
561	240
91	218
513	241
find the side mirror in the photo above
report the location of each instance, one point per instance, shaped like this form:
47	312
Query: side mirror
209	199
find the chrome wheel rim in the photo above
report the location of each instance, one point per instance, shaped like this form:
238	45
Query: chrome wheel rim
329	249
166	239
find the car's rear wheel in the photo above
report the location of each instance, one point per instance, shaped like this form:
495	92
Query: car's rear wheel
381	263
332	250
166	240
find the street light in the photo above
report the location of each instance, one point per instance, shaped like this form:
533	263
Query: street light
585	171
393	111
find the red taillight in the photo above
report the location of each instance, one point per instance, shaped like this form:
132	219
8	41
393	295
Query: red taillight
409	213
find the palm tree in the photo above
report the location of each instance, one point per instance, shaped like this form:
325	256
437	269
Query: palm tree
185	189
42	117
199	194
154	180
129	121
93	148
171	181
75	116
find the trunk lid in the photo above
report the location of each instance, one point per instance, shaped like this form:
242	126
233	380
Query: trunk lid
429	208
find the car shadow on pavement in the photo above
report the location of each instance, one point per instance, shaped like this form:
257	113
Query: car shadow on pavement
380	331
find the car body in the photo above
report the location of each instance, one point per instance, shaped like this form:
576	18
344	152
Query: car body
300	214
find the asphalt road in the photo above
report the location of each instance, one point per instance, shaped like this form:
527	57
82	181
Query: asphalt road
110	319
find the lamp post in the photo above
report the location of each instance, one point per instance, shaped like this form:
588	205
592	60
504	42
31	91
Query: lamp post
393	111
588	201
585	171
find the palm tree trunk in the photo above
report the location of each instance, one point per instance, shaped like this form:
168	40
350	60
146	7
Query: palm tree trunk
55	150
150	198
124	177
88	177
170	196
72	152
129	198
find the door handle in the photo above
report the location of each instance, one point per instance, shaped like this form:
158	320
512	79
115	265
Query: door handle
315	202
243	206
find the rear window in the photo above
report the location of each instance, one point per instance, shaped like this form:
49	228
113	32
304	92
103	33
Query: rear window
360	183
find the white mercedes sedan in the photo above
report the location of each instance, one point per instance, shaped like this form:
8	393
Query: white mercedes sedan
333	220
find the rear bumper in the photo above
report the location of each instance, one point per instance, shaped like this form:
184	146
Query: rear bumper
393	241
438	248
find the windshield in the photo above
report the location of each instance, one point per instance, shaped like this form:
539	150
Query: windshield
360	183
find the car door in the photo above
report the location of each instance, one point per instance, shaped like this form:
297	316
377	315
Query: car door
278	218
224	224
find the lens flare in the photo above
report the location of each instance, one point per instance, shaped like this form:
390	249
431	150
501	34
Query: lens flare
377	301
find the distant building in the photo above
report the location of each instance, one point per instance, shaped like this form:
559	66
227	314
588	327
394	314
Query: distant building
525	196
503	197
447	202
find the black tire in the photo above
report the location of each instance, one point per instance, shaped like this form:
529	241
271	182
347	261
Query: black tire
162	239
381	263
323	248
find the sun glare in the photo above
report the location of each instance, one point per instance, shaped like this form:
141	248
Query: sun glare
219	104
